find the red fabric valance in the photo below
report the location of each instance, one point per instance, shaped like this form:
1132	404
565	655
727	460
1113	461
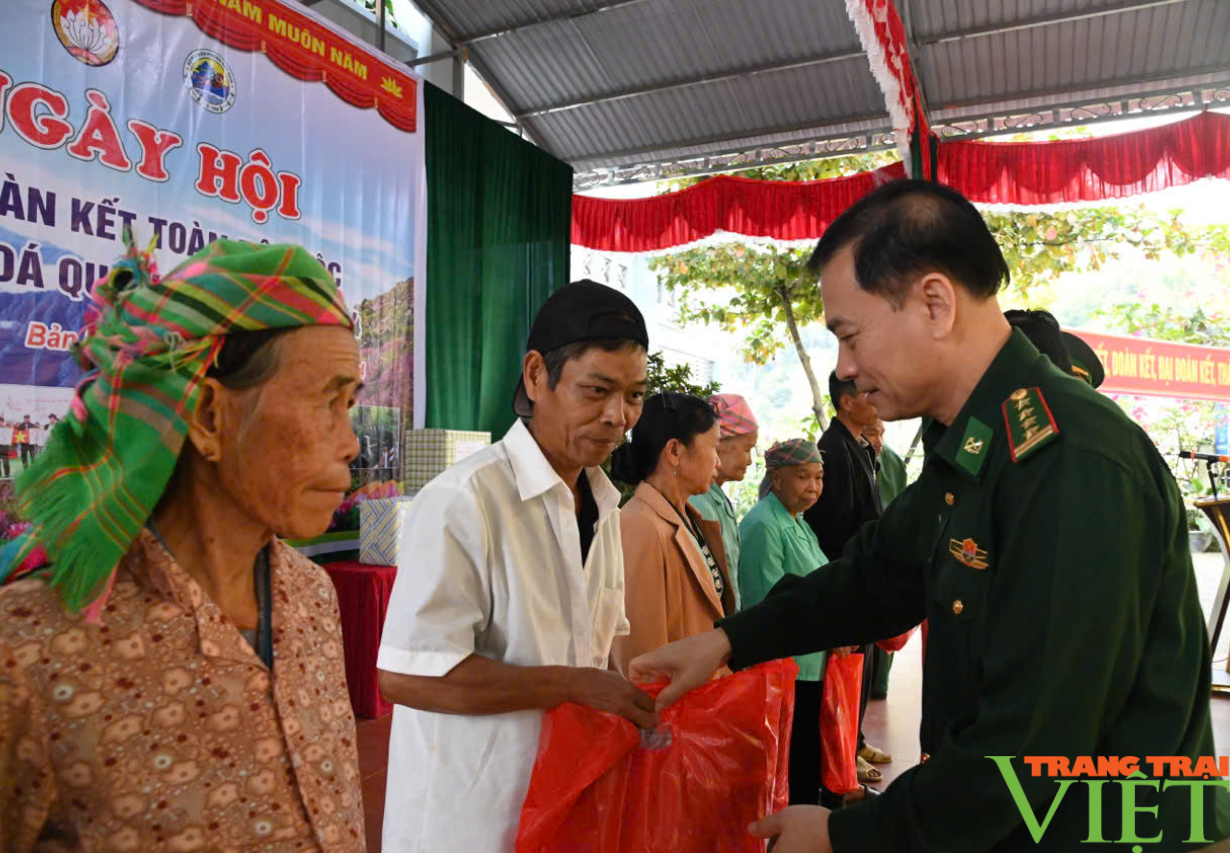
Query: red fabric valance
1086	170
781	210
1017	173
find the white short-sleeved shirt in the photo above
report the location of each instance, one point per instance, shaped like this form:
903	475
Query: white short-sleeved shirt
491	565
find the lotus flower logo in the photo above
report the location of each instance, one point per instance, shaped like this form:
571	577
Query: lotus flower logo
87	30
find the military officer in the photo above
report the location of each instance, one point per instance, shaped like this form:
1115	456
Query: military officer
1044	541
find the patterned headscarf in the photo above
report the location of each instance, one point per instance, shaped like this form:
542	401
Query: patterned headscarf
734	415
146	347
795	451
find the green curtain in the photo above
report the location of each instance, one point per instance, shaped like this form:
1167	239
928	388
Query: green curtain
499	217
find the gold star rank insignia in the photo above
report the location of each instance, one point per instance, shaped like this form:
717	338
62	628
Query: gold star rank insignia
1029	421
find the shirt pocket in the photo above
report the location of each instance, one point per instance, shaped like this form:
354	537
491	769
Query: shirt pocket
958	608
608	616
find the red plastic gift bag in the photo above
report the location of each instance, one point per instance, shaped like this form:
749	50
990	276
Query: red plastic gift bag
716	763
843	681
897	643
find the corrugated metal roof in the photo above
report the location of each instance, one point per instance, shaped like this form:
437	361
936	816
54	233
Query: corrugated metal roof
1144	44
614	82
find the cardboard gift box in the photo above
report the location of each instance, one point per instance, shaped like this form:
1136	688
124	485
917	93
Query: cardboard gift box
430	451
380	526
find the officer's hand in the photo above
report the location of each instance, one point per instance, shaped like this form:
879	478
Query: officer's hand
798	829
685	664
611	692
845	651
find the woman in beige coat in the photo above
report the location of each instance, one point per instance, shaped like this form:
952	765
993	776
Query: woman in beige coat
676	583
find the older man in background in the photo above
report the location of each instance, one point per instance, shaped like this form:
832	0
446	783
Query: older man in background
173	675
850	499
891	480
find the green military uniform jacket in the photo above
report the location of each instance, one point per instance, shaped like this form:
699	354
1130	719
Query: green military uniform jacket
776	545
713	505
1045	541
892	477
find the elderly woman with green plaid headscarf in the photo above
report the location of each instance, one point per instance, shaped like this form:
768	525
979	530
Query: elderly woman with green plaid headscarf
777	542
172	673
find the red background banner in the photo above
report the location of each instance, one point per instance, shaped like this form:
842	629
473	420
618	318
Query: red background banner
1161	368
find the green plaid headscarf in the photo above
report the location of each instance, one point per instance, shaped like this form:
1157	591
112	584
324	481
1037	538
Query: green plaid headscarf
146	347
795	451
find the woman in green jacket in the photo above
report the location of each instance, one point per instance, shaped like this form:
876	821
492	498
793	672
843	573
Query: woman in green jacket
778	542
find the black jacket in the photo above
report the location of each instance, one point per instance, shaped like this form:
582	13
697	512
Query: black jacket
850	497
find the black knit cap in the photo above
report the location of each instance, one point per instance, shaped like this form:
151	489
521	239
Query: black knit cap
581	311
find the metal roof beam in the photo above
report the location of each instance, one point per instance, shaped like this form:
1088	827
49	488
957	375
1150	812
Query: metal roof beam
1047	20
437	57
677	169
738	159
501	95
751	71
553	19
1086	111
1074	92
598	157
1050	116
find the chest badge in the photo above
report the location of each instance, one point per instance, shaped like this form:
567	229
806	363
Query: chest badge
966	551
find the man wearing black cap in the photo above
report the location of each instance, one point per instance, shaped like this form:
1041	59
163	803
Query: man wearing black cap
511	589
1066	351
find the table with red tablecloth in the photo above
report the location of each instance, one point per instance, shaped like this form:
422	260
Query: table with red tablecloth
362	599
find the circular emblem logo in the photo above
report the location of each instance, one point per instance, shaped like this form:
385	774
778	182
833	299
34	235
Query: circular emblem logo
87	30
209	80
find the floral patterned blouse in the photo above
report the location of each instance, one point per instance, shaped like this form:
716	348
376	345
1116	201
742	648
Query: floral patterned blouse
160	729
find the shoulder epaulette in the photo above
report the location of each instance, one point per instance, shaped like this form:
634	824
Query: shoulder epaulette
1029	422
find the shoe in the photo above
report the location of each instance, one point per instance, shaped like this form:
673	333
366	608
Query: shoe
874	755
864	792
831	801
867	773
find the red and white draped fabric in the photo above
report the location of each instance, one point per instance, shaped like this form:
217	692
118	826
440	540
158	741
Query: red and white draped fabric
1019	174
1083	171
880	30
775	210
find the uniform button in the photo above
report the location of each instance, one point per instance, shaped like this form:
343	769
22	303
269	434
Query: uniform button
949	499
958	606
924	758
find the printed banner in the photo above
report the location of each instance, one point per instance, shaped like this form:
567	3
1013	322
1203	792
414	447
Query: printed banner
1161	368
247	119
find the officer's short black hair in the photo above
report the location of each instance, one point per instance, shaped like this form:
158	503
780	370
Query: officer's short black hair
839	388
908	228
